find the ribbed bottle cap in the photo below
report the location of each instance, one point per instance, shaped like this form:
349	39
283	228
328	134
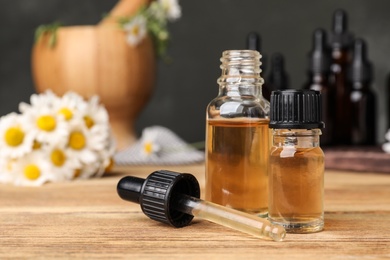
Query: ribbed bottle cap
296	109
156	193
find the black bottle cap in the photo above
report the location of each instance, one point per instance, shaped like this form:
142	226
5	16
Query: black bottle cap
360	69
340	37
319	56
278	78
156	193
296	109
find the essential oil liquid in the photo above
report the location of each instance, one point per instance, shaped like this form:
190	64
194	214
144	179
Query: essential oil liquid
237	164
296	184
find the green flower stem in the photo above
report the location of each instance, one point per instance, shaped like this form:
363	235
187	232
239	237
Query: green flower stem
50	29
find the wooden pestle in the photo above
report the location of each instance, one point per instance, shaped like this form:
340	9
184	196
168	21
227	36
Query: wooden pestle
122	9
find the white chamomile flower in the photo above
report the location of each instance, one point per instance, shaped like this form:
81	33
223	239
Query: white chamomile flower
87	171
46	99
32	170
6	170
94	114
55	139
84	143
387	135
171	8
106	157
69	105
15	138
136	30
157	12
63	165
149	142
47	125
386	146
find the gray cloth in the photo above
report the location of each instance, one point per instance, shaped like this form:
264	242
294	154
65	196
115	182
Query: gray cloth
172	150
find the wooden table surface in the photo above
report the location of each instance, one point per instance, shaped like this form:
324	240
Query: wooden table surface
87	219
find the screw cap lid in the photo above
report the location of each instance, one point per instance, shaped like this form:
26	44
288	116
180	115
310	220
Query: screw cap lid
296	109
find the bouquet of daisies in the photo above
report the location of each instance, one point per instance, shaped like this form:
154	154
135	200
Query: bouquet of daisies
55	139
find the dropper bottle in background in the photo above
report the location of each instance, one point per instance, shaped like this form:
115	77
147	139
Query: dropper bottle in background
277	78
253	42
362	98
388	100
341	41
318	79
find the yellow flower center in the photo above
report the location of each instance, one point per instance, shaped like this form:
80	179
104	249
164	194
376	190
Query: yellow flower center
88	121
77	140
77	173
14	136
109	166
66	112
58	157
36	145
9	165
32	172
46	123
135	30
148	147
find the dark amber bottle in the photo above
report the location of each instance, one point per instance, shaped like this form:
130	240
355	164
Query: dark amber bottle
388	100
277	78
318	79
362	98
341	41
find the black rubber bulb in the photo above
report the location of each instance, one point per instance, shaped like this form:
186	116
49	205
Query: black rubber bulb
156	194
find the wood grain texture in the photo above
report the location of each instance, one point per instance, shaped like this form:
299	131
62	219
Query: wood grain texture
87	219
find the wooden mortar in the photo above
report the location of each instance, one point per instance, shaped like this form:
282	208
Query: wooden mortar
97	60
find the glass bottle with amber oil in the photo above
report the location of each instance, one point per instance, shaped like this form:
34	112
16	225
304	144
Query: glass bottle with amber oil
237	136
296	180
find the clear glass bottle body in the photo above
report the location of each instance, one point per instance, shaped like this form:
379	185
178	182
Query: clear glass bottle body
237	136
296	180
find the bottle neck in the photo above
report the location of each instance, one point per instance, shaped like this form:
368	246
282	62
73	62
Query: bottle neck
320	78
341	56
360	85
298	138
240	73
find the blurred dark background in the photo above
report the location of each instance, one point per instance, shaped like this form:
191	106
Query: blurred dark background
206	28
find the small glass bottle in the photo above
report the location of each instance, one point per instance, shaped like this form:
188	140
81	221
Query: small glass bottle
296	180
237	136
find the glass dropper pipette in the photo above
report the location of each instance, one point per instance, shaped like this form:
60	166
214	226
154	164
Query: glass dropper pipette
173	198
